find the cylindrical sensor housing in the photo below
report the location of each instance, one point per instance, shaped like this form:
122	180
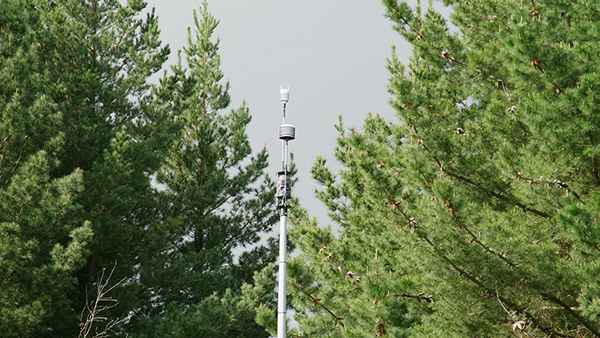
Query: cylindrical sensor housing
284	94
287	132
284	186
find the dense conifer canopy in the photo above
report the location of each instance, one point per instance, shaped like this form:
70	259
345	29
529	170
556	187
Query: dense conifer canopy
103	174
475	214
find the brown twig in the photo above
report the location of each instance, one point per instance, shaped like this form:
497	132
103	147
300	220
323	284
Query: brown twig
96	307
317	302
419	296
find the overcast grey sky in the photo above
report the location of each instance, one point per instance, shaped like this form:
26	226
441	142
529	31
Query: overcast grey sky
332	53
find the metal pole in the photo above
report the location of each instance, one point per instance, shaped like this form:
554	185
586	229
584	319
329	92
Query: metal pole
281	301
286	133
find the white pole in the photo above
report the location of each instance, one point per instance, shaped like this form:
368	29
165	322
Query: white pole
281	301
286	133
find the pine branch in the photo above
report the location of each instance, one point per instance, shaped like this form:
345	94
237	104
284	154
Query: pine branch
532	284
317	302
569	310
464	273
475	239
419	296
480	186
556	182
546	296
554	299
488	290
594	163
525	277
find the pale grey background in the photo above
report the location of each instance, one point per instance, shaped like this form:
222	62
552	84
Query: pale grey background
332	53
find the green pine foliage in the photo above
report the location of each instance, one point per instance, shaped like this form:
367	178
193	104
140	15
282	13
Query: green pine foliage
83	137
353	284
232	314
41	246
476	214
40	250
212	198
99	55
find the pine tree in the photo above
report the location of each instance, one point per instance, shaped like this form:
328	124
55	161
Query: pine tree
84	137
113	131
78	75
476	214
213	198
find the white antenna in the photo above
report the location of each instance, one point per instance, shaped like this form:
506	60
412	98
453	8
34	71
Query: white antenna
287	132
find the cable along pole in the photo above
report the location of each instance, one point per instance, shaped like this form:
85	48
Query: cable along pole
287	132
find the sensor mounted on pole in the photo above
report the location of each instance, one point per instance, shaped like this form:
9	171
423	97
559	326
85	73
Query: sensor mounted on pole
284	93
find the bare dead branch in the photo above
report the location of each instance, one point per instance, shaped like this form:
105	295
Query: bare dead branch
92	323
